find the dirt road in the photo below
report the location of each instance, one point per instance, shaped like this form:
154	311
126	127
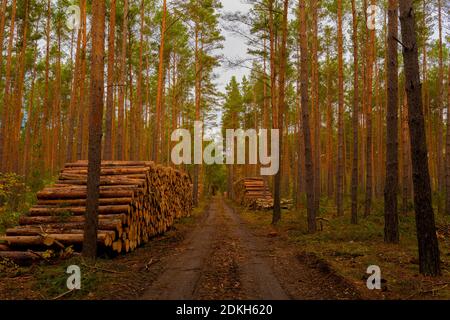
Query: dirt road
221	259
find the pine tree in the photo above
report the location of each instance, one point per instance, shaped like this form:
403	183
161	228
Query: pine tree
429	256
95	131
391	233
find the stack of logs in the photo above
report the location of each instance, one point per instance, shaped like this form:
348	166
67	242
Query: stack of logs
138	200
253	193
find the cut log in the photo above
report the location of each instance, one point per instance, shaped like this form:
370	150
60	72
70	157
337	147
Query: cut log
76	211
81	194
24	220
253	193
50	239
82	202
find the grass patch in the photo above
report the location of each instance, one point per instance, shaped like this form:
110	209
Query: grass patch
51	280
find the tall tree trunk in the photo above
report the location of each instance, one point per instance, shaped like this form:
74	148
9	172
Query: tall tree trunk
110	110
82	104
281	105
330	151
138	117
46	107
17	98
32	114
159	92
198	80
440	129
380	139
74	97
316	107
391	233
355	122
447	152
6	95
405	156
426	99
340	162
56	119
2	32
369	127
95	128
122	87
429	256
301	147
312	227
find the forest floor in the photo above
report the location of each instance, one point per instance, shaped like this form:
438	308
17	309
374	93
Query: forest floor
350	249
227	252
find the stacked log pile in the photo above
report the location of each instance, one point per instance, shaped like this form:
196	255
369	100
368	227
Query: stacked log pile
253	193
138	200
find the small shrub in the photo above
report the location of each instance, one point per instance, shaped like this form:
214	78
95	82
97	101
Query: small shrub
13	192
14	199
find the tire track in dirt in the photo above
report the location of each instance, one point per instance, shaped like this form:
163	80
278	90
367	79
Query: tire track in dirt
182	269
258	280
223	260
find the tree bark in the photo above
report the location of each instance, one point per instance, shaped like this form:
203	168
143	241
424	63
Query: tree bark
6	95
281	105
17	97
316	107
122	87
429	256
137	141
447	152
391	233
159	91
95	132
73	98
197	108
2	33
312	227
369	127
110	110
440	113
355	120
340	162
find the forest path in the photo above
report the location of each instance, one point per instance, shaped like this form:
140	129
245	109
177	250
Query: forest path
223	260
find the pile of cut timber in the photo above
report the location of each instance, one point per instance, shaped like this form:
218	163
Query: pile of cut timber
253	193
138	200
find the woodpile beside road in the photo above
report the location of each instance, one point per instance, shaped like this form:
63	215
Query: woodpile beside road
138	200
253	193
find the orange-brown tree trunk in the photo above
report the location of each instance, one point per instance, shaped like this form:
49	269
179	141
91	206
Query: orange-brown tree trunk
340	160
4	129
159	92
110	110
95	129
309	168
355	120
391	232
121	128
281	106
429	255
